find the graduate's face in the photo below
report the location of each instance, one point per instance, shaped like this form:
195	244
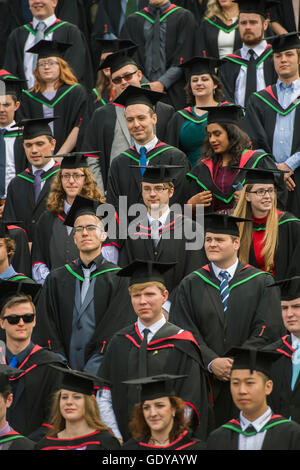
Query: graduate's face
202	85
42	9
261	198
291	315
140	122
72	182
21	331
286	64
88	240
251	28
3	252
37	149
4	404
72	405
147	303
218	138
159	414
49	69
157	3
156	196
129	75
249	392
221	249
8	107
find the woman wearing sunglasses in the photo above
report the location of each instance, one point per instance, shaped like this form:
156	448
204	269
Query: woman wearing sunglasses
272	241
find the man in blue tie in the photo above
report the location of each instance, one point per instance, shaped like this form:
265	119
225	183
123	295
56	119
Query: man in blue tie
226	303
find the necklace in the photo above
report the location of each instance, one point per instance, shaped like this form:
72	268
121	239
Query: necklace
158	442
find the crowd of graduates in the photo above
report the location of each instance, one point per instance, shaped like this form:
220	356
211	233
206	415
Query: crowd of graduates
149	225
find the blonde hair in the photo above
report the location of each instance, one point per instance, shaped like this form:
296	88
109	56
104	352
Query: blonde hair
138	287
214	9
270	239
57	195
66	77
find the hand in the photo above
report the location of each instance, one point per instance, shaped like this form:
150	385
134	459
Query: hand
237	195
157	86
204	198
221	368
290	183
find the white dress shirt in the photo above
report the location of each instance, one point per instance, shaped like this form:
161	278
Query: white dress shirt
231	270
10	169
149	146
254	442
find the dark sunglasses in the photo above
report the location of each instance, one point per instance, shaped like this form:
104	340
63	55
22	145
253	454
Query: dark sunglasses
126	77
15	319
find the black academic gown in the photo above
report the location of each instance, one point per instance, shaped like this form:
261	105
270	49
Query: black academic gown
260	122
170	351
197	307
57	300
33	392
20	159
97	440
20	204
229	71
186	441
99	134
171	248
206	41
180	37
281	434
283	13
78	55
202	177
21	260
126	181
283	400
69	104
15	441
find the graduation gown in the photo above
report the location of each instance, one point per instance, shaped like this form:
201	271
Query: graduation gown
207	33
202	177
21	260
260	122
197	307
33	392
97	440
283	399
126	181
15	441
20	203
78	55
230	70
170	248
281	434
180	37
20	159
69	104
170	351
112	307
99	135
186	441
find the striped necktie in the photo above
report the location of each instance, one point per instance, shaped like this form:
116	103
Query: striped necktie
143	159
224	288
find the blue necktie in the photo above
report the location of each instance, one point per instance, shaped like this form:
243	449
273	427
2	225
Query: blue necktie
224	288
296	366
37	183
143	160
13	362
2	162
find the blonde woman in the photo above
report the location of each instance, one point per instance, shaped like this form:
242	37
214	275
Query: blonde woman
218	33
272	241
56	92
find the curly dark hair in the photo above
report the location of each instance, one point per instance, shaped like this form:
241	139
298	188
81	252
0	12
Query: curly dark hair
238	142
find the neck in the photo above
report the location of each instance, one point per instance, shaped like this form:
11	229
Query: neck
153	321
204	101
70	199
225	264
87	258
4	266
162	437
3	423
157	212
259	214
231	11
17	346
225	159
252	415
146	141
288	80
76	429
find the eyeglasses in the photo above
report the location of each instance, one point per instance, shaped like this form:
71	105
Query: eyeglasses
263	192
89	228
15	319
126	77
156	189
75	176
49	63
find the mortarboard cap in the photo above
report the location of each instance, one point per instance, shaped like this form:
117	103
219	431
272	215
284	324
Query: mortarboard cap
75	159
81	206
10	289
223	223
138	95
4	224
49	49
261	175
261	7
77	381
156	386
230	114
112	45
7	372
253	359
119	59
200	65
285	42
159	173
140	271
35	127
10	84
289	288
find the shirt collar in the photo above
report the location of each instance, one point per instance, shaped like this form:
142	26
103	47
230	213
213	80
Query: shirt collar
48	21
47	167
162	218
231	269
154	327
10	127
259	423
8	273
294	85
162	9
259	49
149	146
294	341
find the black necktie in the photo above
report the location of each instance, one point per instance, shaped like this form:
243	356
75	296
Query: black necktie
250	429
143	355
156	46
251	76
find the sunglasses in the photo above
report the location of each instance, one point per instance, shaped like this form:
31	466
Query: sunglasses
126	77
15	319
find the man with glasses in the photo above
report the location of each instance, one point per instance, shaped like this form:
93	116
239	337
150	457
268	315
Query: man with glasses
83	302
34	387
107	130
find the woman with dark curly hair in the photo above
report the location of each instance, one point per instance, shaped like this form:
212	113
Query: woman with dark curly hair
159	421
53	245
187	127
215	182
